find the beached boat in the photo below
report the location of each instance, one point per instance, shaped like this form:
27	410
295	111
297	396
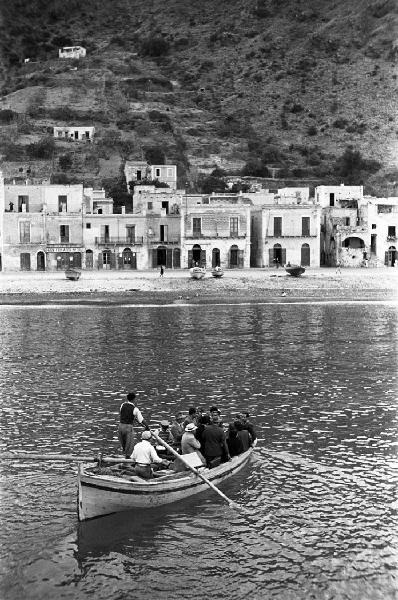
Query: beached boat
72	274
217	272
294	270
106	494
197	272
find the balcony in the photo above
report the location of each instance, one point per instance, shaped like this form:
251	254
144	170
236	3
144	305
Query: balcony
119	241
169	242
391	238
212	236
292	235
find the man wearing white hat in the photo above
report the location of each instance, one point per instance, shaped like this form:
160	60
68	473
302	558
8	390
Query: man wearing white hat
144	454
189	443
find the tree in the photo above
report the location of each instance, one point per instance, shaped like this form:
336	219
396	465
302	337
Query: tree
209	184
352	167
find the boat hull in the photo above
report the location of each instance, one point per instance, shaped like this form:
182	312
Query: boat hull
104	494
217	274
295	271
197	273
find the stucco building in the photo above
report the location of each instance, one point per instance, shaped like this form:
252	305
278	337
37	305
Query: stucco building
216	230
74	133
286	229
137	171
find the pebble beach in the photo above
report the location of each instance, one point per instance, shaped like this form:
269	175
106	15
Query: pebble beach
248	285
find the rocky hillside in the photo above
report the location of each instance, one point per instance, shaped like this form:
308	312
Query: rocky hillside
242	85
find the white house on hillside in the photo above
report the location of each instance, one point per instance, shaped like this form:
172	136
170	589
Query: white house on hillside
72	52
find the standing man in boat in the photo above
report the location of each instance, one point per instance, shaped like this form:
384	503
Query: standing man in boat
129	415
214	443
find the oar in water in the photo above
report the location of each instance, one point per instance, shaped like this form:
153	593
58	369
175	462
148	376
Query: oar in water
64	457
198	473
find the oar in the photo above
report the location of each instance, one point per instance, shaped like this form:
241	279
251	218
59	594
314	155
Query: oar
64	457
198	473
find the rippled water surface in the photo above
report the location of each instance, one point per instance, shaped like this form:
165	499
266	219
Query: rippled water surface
319	500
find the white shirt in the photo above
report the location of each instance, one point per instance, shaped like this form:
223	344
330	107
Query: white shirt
145	454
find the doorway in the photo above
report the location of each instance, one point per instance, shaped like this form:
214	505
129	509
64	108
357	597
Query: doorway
25	261
305	255
40	265
89	259
233	257
215	258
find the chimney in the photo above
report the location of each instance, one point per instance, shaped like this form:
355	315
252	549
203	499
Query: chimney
123	210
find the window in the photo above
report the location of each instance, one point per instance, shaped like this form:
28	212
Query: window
331	199
23	203
169	173
305	226
197	226
277	226
150	205
139	175
157	172
347	221
205	201
165	205
24	232
233	226
88	225
130	233
391	231
62	203
64	233
373	225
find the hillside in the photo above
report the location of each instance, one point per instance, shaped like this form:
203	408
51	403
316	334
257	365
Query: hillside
241	85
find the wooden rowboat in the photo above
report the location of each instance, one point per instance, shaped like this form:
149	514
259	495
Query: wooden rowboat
72	274
217	272
105	494
294	270
197	272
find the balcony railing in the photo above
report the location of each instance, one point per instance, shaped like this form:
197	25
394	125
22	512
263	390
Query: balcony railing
65	244
292	235
119	241
391	238
169	241
226	236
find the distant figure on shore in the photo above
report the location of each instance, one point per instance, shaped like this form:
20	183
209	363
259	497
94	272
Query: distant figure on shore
338	267
161	270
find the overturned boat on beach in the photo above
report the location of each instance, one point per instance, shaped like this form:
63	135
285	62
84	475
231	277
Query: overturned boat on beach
103	494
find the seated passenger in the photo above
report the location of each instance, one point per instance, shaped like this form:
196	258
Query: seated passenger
243	435
249	426
177	430
144	454
166	435
189	443
234	443
214	443
204	420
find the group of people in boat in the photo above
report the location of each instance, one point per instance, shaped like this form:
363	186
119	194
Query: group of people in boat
199	431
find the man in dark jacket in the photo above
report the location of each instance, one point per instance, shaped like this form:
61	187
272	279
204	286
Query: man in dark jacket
214	444
129	415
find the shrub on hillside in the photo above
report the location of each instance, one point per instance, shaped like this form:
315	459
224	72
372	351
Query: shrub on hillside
255	168
7	115
209	184
351	166
13	152
155	155
42	149
65	162
155	46
340	123
312	130
62	113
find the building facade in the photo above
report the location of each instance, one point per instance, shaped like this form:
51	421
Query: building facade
72	52
74	133
286	230
137	171
216	231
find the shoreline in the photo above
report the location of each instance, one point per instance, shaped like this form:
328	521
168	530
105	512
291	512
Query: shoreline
253	286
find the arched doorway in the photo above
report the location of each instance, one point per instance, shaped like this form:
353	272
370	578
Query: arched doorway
233	256
277	256
353	243
196	256
41	265
215	258
391	257
305	255
128	259
176	258
89	259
